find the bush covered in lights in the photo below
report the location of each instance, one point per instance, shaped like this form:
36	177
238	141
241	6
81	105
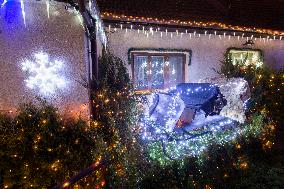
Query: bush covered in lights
39	148
247	161
263	114
115	118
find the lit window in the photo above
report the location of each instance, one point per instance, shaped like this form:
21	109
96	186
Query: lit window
246	57
157	70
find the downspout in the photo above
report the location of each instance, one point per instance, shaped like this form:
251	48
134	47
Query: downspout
91	46
89	71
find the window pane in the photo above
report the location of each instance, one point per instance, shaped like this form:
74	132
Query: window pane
140	72
175	70
246	57
157	72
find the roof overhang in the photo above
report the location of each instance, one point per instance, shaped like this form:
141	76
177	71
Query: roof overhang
213	28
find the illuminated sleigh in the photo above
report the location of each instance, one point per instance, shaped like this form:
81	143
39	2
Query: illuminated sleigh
182	118
178	108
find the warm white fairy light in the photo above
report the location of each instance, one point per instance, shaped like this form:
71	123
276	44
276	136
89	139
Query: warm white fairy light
47	8
4	2
44	75
172	34
95	13
23	11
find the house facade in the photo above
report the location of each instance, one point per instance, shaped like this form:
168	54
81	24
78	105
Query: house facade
202	54
186	40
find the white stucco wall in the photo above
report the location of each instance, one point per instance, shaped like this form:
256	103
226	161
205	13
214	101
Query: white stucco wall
206	54
52	30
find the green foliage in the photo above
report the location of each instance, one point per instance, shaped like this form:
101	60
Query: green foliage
267	86
262	177
38	148
114	119
244	163
230	136
222	167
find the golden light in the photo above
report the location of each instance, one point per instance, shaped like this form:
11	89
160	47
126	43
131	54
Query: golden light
103	183
66	184
207	187
244	165
268	145
238	146
271	127
107	100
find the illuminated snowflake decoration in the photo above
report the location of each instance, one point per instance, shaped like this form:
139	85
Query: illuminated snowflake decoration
44	75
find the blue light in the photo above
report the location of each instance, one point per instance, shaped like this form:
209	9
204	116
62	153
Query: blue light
12	12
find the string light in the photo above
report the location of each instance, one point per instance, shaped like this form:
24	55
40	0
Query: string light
95	13
177	145
23	11
189	23
66	184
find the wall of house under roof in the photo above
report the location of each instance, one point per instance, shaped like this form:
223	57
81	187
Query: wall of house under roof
47	29
206	53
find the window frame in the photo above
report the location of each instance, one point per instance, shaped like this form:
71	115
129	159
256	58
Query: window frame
149	55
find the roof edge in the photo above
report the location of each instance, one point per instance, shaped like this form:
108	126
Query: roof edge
190	23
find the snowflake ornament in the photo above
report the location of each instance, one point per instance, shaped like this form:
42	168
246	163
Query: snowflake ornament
44	75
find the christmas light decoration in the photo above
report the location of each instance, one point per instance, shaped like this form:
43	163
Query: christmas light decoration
23	11
47	8
4	2
131	51
59	147
198	141
95	12
44	75
160	132
209	25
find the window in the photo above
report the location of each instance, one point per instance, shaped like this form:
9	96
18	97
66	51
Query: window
157	70
246	57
